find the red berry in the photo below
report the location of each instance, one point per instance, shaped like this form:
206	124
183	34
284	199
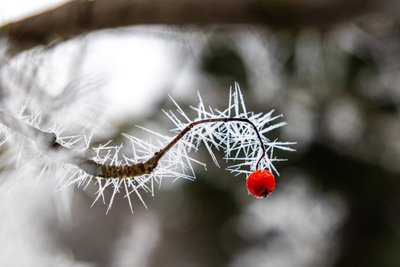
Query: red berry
260	183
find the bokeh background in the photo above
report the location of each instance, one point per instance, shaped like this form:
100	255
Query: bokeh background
337	200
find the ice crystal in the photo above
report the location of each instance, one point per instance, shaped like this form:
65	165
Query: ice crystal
237	139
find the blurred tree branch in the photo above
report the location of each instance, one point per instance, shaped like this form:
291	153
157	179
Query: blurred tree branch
81	16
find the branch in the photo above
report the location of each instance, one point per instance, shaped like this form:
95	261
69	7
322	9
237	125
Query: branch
240	133
123	171
48	141
81	16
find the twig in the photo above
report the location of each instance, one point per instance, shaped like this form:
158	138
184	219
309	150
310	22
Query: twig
113	171
81	160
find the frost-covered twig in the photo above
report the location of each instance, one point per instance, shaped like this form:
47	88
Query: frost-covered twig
123	171
239	133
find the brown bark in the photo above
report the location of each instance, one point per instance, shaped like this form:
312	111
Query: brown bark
80	16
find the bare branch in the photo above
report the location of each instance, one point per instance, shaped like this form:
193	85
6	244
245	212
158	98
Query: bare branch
81	16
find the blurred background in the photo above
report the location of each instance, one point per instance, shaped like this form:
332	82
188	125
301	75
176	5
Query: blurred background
336	202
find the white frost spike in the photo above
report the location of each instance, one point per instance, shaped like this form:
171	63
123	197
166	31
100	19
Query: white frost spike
237	139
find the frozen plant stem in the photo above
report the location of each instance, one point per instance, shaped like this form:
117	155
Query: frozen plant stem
124	171
241	134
